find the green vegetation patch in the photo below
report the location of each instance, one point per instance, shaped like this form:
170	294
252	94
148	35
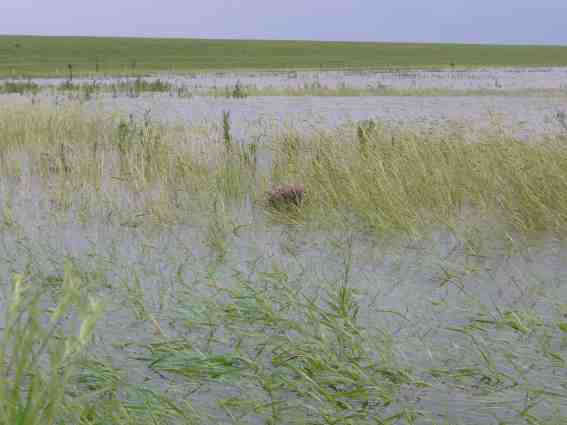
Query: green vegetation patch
51	56
380	180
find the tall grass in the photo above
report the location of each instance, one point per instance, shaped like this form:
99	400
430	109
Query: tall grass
381	180
41	351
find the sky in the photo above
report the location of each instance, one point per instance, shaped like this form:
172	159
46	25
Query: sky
463	21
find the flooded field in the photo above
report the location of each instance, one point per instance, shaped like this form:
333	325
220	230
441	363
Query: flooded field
153	272
453	79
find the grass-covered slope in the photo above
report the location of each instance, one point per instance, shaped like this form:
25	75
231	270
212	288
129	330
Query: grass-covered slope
35	55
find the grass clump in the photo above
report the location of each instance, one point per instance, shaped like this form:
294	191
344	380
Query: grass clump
294	356
131	88
236	92
140	85
40	352
18	87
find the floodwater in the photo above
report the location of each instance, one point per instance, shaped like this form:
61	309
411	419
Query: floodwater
457	79
413	290
522	115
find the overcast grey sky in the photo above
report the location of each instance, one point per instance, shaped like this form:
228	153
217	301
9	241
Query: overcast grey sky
484	21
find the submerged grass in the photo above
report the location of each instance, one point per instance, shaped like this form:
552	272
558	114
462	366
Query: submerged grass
384	181
20	87
134	87
215	332
131	88
343	90
265	344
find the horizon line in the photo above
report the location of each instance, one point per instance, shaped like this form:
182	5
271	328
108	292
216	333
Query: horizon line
259	39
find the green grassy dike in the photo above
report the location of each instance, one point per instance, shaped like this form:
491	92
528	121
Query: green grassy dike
51	56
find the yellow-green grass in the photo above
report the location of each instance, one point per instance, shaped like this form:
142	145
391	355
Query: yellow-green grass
380	180
51	56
